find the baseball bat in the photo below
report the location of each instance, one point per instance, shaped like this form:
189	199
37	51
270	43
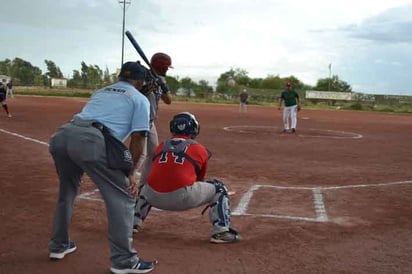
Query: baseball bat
138	49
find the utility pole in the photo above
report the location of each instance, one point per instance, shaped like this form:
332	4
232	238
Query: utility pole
124	2
330	76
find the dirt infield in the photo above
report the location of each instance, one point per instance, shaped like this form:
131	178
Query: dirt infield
335	197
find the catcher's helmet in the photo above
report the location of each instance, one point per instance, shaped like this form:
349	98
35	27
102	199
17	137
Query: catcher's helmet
186	124
161	62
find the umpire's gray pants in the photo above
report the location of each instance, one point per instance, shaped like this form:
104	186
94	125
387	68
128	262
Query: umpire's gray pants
76	148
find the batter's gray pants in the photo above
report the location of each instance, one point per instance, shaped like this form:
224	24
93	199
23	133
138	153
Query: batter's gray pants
152	144
77	148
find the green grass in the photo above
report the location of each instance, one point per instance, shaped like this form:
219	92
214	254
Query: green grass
53	92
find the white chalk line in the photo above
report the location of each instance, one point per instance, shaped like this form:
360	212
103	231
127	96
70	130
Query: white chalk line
318	202
83	196
348	135
319	205
24	137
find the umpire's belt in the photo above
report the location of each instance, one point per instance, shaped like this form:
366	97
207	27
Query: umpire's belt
87	123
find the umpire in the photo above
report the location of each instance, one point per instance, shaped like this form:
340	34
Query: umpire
79	146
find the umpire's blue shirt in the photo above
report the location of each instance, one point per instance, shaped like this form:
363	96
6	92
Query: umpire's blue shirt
120	107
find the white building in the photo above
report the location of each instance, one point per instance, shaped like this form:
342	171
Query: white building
58	82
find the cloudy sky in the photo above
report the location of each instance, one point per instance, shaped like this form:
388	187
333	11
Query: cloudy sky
367	42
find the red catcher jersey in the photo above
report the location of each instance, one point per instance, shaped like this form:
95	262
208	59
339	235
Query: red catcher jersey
169	172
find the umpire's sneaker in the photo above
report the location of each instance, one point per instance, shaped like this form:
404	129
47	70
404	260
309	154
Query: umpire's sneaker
60	255
140	267
225	237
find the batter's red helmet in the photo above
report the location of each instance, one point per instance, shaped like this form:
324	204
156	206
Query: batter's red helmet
161	62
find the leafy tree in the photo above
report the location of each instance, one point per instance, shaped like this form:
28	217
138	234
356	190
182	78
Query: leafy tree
256	83
5	67
91	76
202	88
107	78
272	82
95	76
53	71
333	84
239	75
84	74
173	84
40	80
205	85
188	85
76	80
24	71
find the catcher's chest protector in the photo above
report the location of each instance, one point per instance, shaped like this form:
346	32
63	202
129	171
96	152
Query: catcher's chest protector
179	147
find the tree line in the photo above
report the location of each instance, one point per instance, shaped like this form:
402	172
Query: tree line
92	77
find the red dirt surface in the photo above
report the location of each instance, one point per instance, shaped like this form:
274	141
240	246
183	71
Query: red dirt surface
350	157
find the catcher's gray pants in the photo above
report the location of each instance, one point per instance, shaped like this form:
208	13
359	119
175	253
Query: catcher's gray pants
152	144
76	148
198	194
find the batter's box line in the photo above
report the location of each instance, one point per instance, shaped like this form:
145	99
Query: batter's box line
319	205
88	196
321	216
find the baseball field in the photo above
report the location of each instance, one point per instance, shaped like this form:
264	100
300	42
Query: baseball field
334	197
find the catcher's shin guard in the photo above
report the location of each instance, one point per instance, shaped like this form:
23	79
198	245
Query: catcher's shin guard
142	209
219	213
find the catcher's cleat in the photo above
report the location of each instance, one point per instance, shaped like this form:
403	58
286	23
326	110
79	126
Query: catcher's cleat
60	255
140	267
225	237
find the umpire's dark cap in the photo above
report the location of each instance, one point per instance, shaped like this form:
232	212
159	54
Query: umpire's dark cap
132	70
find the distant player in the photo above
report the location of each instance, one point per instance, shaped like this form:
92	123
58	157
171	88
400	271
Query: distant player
243	97
3	96
177	180
291	105
10	89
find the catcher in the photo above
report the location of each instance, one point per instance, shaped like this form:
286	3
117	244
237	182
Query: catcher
176	181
